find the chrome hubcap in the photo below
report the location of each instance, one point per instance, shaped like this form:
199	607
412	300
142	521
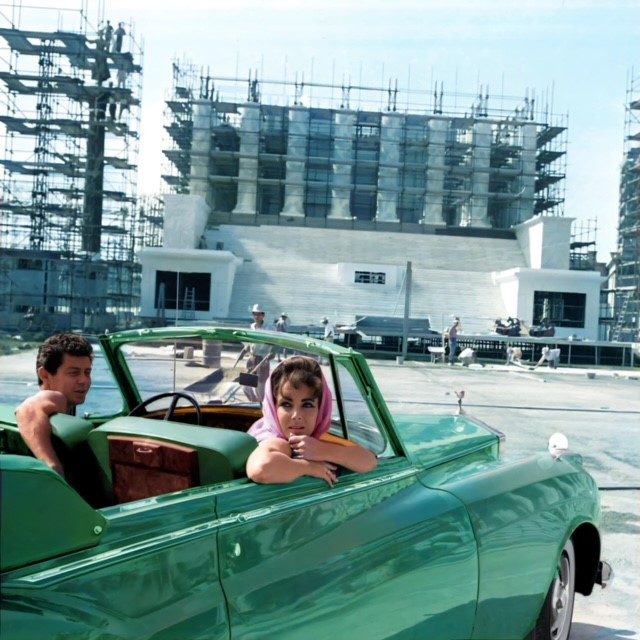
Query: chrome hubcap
560	599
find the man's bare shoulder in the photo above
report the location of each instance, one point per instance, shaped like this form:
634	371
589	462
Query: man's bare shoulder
45	401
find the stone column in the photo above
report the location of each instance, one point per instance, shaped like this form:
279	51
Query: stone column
525	201
344	128
388	170
474	211
248	165
297	140
435	172
200	149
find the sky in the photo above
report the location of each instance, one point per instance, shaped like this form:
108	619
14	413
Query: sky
576	55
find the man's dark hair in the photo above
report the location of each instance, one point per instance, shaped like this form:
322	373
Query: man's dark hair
53	350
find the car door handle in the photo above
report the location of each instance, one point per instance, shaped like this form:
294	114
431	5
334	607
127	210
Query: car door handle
253	515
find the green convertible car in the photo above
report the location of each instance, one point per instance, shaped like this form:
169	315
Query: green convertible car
157	532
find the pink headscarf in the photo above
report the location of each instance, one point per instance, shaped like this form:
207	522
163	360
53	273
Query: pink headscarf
269	427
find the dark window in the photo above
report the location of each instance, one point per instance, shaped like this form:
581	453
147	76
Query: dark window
363	205
366	175
273	143
224	166
26	263
270	199
366	149
320	123
272	170
410	207
319	148
559	309
225	196
414	154
319	171
370	277
226	138
317	202
414	178
194	290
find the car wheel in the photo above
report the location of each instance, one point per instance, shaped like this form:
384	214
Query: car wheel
554	621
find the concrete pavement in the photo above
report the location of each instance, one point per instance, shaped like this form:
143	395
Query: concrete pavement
600	415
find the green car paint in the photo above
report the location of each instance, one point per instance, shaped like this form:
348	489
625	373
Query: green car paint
444	539
312	563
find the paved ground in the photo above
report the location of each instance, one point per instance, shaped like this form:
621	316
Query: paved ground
601	418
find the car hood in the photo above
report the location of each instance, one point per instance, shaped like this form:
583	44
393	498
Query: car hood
433	440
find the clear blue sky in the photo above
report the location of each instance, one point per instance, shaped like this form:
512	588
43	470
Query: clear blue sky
579	52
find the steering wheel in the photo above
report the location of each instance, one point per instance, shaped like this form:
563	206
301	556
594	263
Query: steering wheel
176	395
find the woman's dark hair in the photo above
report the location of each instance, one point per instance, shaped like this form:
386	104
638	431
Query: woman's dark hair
53	349
297	371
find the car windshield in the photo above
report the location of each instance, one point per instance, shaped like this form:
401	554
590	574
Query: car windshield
213	372
226	372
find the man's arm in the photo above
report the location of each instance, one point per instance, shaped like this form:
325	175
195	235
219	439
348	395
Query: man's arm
33	417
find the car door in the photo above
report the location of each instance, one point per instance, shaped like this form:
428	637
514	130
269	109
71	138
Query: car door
153	574
377	556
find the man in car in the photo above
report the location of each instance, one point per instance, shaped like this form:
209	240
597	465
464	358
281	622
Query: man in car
63	367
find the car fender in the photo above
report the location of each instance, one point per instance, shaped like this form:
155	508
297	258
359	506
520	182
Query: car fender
523	511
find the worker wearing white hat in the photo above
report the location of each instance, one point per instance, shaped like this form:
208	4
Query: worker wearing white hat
260	355
329	330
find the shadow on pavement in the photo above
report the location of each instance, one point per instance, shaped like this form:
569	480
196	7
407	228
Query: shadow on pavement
582	631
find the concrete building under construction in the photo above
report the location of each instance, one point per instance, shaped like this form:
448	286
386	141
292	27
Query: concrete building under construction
471	185
625	266
286	187
70	223
363	157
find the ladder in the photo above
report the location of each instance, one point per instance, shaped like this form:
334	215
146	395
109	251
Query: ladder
189	304
620	322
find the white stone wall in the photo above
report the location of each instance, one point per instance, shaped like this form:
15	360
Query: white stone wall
394	274
518	286
222	266
546	241
185	221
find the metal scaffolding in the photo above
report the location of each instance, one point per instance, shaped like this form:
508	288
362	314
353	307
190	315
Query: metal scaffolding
70	224
626	261
268	150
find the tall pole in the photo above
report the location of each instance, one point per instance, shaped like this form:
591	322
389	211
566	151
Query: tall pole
407	312
177	296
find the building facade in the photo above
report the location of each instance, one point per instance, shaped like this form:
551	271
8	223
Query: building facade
472	196
345	164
